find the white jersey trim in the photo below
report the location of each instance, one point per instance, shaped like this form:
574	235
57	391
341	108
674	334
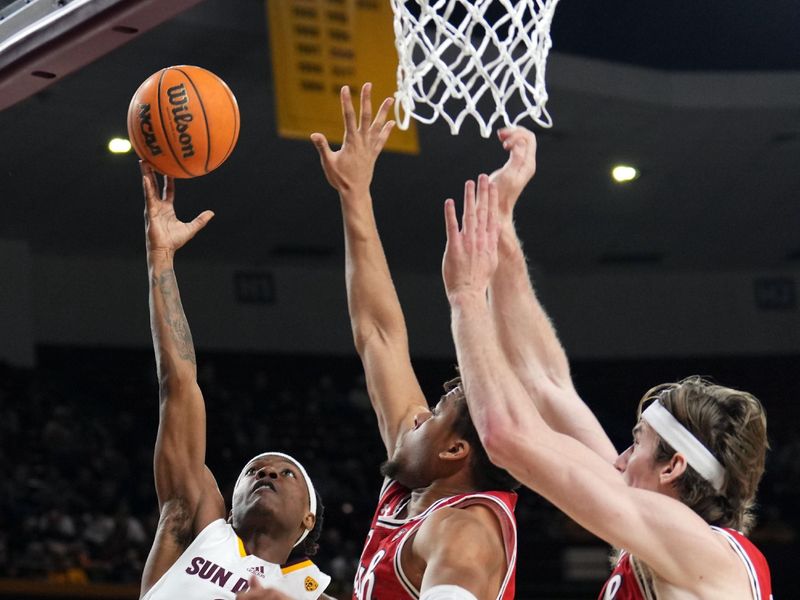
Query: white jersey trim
752	574
472	499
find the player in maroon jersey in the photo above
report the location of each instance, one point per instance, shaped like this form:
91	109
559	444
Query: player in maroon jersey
444	527
676	500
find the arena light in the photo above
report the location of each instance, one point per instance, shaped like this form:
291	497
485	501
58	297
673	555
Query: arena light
119	146
624	173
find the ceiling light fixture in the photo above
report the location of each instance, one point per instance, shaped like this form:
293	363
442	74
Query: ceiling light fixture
119	146
624	173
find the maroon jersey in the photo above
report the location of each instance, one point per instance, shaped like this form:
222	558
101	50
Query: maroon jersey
624	585
380	575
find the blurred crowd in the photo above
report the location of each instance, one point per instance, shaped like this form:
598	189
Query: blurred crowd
77	499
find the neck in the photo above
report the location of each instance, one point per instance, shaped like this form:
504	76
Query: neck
423	498
271	546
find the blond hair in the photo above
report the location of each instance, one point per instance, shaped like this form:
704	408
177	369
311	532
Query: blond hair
732	424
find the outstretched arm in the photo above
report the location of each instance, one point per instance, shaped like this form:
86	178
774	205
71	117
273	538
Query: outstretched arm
188	496
526	334
377	321
674	541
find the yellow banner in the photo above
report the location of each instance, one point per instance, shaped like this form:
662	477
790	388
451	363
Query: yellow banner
320	45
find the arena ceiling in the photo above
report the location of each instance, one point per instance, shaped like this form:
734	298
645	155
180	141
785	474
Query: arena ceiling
703	97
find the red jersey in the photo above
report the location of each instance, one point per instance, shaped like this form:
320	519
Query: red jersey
380	573
624	584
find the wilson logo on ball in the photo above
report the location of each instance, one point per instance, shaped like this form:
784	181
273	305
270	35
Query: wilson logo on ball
184	120
182	117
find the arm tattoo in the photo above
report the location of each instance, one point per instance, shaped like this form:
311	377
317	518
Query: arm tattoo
175	318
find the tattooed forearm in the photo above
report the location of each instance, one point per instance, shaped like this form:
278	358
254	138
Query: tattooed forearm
174	318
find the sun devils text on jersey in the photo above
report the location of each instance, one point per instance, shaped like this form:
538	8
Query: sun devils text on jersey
216	566
380	573
625	585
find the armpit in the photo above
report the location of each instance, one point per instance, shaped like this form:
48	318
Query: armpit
175	522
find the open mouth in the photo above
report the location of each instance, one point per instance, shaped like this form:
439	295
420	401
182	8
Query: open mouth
264	484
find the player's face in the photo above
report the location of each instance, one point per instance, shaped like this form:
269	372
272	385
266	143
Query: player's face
415	462
637	464
273	488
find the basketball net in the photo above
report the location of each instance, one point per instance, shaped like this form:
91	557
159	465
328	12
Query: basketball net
455	54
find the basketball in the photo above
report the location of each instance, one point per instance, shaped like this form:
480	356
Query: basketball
183	120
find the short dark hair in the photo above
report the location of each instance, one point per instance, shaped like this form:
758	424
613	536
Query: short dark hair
486	475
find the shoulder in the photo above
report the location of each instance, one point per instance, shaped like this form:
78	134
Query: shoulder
305	579
473	533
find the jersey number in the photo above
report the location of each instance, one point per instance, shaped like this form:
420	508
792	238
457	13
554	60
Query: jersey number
365	578
612	587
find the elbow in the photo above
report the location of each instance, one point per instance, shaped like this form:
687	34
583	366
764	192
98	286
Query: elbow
362	335
172	386
496	439
373	336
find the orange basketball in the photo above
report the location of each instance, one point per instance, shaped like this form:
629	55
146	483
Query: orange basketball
184	121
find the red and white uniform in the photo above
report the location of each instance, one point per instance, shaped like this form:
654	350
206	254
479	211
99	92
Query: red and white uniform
380	575
624	585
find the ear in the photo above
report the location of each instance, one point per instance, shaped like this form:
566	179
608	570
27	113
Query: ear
458	450
309	521
671	471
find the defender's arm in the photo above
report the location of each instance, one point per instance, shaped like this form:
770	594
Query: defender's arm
675	542
525	332
376	318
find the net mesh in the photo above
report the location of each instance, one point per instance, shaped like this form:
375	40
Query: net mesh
479	58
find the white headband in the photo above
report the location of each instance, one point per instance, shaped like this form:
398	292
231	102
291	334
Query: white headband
312	496
681	439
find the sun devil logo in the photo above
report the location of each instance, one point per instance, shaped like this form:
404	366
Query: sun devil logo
311	584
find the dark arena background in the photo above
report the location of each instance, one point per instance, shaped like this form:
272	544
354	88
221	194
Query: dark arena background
690	269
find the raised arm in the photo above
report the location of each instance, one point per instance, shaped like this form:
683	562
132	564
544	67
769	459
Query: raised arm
526	334
188	496
377	321
663	532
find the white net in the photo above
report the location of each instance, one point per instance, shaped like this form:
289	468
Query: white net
483	58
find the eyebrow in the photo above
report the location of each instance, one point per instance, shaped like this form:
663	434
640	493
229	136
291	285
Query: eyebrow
285	462
636	430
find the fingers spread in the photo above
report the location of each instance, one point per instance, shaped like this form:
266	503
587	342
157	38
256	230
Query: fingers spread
383	112
201	221
384	135
321	144
483	202
149	184
451	221
348	112
168	195
492	224
468	219
366	106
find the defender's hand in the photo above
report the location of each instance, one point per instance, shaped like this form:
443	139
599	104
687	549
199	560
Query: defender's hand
165	233
470	257
351	167
519	169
